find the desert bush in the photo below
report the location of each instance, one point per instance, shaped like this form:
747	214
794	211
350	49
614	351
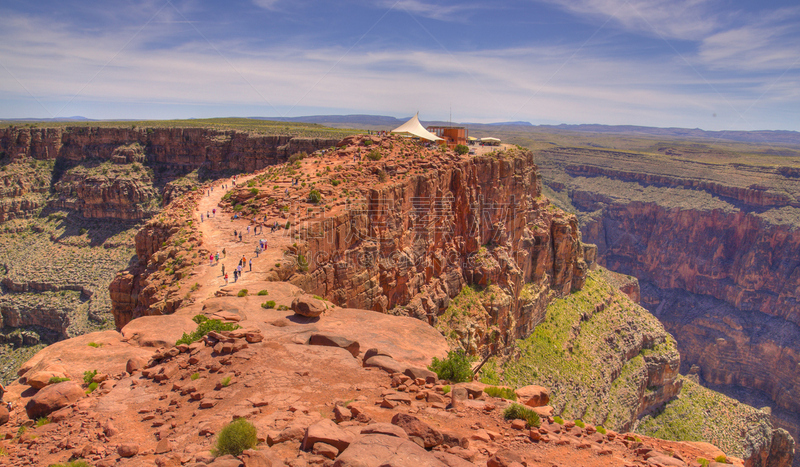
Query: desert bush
263	292
42	421
602	430
235	438
558	420
580	423
461	149
91	388
446	389
95	345
298	156
454	368
242	293
520	412
268	304
374	155
505	393
194	376
204	328
88	375
314	196
226	381
56	380
721	459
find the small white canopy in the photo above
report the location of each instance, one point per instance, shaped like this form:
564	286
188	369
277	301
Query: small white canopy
414	128
490	140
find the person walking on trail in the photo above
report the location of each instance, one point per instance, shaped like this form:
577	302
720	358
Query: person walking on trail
251	264
216	257
258	250
234	234
201	217
210	260
243	261
226	278
235	275
214	211
224	255
223	270
240	236
248	230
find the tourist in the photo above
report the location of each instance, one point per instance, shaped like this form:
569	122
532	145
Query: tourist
248	230
240	236
235	275
251	264
234	234
210	260
224	254
214	211
226	279
201	217
223	269
216	257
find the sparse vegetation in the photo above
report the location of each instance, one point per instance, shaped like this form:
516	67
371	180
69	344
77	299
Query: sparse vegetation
505	393
461	149
268	304
42	421
235	438
446	389
56	380
91	388
314	196
263	292
242	293
374	155
194	376
95	345
88	376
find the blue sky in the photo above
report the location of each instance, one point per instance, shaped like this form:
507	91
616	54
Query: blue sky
711	64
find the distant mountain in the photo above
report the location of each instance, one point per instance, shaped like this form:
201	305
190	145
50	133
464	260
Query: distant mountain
376	122
76	118
756	136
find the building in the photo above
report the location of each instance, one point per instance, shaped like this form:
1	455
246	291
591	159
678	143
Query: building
414	129
452	135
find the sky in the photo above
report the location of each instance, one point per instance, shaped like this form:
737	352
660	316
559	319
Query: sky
710	64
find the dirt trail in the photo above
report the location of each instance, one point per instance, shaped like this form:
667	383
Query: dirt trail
218	235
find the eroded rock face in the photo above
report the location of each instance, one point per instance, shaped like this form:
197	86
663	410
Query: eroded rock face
716	248
409	246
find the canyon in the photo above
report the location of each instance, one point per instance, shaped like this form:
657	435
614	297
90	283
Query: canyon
383	233
712	236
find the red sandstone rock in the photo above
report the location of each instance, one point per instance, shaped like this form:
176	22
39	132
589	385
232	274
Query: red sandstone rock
533	396
52	398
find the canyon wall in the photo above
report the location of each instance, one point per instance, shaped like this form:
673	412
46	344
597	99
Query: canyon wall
717	248
412	244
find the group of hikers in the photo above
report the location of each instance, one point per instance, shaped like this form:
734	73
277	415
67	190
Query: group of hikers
239	269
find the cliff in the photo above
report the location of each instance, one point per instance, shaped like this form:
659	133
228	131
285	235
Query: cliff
404	230
716	248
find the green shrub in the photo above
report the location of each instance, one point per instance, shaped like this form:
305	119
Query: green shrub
288	224
446	389
95	345
268	304
195	287
558	420
367	142
226	381
200	319
263	292
78	463
335	182
283	307
454	368
56	380
204	328
194	376
82	231
602	430
42	421
461	149
88	375
721	459
374	155
298	156
520	412
242	293
505	393
314	196
703	461
579	423
235	438
91	388
254	191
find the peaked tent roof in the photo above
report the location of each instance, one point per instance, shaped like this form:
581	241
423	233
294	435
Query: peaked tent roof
414	128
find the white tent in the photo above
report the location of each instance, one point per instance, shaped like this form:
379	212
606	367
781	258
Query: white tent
489	140
414	128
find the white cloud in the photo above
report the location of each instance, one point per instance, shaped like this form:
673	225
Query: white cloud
535	83
673	19
267	4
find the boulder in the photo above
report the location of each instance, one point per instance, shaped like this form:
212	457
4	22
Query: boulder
421	373
128	449
335	341
387	364
384	429
251	458
544	411
308	306
504	458
327	432
135	364
52	398
3	415
40	379
371	450
533	395
451	460
416	430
